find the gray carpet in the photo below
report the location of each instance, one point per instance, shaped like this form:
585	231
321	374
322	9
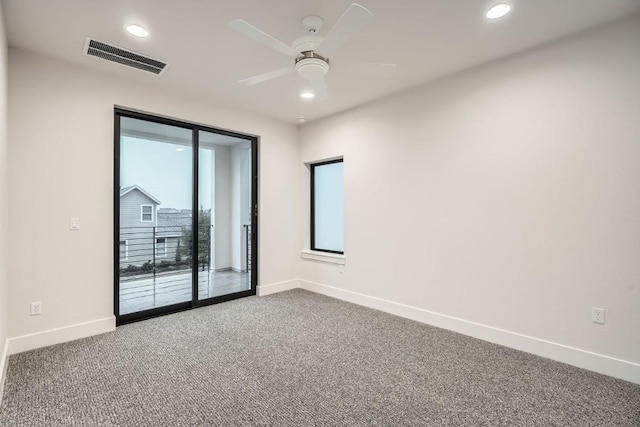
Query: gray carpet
301	359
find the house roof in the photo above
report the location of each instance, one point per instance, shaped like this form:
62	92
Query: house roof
173	223
126	190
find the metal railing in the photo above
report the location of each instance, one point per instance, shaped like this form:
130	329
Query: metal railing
145	250
157	261
160	258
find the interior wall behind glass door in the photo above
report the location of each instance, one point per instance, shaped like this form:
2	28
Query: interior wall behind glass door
224	224
155	218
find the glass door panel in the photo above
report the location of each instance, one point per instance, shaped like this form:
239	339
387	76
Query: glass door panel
155	215
224	215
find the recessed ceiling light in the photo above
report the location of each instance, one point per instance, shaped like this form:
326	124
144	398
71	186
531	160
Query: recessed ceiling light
498	10
301	120
179	149
137	30
307	95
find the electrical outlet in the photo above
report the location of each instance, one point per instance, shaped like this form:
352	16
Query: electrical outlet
597	315
36	308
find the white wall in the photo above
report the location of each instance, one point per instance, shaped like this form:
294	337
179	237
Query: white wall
222	221
244	215
61	151
508	195
235	226
4	198
240	204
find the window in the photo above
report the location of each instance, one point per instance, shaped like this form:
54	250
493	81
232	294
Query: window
146	213
161	247
327	206
124	250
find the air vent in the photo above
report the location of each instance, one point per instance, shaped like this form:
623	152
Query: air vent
122	56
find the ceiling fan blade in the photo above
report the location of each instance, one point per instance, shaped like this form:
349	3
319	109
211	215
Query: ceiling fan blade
371	69
320	89
260	36
351	22
266	76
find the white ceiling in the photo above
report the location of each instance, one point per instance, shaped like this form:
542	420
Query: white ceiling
427	39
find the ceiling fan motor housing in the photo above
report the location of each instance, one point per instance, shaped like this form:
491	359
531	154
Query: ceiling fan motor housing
306	43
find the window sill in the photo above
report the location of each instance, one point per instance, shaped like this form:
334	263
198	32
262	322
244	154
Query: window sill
324	257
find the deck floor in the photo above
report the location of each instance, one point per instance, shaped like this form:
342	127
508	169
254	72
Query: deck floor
143	292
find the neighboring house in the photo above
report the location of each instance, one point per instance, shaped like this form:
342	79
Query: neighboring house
138	222
170	233
138	227
149	234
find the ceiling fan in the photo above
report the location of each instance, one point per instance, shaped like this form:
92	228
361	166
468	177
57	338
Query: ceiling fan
311	51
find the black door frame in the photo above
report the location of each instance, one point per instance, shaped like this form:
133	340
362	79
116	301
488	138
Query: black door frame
195	302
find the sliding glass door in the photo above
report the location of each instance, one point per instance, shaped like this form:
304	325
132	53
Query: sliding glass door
185	215
224	193
155	197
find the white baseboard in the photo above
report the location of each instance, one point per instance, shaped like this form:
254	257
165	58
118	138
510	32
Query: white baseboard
4	358
273	288
60	335
622	369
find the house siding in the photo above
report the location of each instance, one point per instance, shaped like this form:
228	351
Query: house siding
172	248
130	209
138	234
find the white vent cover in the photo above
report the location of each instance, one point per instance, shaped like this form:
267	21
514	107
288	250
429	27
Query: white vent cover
93	47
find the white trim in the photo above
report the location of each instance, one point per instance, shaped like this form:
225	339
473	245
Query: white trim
622	369
137	187
273	288
4	365
126	249
164	254
327	257
60	335
328	159
142	213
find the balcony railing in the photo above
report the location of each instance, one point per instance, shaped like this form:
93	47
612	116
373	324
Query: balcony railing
149	250
156	262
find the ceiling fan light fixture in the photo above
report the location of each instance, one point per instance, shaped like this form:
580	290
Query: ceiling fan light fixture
312	68
137	30
307	95
498	10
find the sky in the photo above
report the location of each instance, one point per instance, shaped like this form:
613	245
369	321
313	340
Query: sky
164	172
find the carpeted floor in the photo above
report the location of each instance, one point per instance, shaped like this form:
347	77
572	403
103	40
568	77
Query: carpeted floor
301	359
